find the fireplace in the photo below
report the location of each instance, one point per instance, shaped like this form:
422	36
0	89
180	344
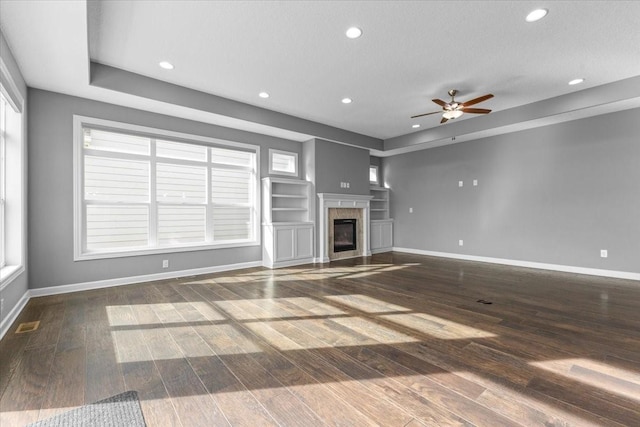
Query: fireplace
338	207
344	235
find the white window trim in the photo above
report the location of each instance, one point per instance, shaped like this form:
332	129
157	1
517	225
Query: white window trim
377	181
288	153
14	98
78	220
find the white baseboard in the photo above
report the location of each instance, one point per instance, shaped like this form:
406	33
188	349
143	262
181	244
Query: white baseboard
13	314
290	263
380	250
76	287
528	264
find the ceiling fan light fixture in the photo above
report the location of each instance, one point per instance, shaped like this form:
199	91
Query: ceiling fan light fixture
576	82
453	114
536	15
166	65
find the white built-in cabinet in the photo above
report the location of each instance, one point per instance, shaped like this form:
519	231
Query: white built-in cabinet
288	229
381	226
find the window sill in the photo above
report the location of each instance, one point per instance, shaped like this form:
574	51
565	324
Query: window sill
9	273
164	250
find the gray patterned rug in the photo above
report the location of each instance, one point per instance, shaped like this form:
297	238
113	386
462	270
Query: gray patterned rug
121	410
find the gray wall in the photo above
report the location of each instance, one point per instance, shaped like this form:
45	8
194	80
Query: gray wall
336	163
51	192
556	194
327	164
12	292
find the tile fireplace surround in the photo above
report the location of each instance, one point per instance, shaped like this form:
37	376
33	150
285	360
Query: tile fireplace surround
334	206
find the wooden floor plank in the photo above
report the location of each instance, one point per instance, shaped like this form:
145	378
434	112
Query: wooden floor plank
22	400
393	340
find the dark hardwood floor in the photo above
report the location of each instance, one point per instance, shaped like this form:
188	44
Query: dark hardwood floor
392	340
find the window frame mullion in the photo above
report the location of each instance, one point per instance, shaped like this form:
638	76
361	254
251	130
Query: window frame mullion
153	203
209	237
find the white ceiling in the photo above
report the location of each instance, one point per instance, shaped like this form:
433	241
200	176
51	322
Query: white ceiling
410	52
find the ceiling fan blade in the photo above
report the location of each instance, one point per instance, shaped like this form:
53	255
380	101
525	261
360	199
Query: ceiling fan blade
477	100
444	120
439	102
426	114
476	110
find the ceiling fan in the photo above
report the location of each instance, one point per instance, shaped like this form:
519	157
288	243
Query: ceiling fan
454	109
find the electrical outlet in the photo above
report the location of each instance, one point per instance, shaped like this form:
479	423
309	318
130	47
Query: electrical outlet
410	210
348	184
604	253
165	263
475	182
460	183
460	242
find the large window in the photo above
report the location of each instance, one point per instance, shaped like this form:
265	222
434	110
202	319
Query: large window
3	180
12	180
141	191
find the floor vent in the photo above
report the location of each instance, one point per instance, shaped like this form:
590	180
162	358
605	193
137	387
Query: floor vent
27	327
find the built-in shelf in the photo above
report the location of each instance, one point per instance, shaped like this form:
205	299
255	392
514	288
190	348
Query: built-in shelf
379	203
290	196
288	229
285	200
381	225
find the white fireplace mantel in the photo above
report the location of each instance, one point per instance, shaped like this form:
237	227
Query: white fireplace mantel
332	200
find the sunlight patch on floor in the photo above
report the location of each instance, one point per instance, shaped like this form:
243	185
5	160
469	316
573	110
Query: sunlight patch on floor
371	272
374	330
437	326
124	315
208	311
120	315
366	303
597	374
365	333
273	337
275	308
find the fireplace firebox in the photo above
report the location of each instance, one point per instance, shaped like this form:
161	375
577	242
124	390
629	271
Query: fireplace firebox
344	235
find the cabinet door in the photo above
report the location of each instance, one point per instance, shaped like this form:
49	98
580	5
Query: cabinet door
304	242
284	243
376	236
386	235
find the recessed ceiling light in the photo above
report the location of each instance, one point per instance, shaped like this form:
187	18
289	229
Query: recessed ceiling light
576	81
415	126
166	65
536	15
263	95
347	100
354	32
